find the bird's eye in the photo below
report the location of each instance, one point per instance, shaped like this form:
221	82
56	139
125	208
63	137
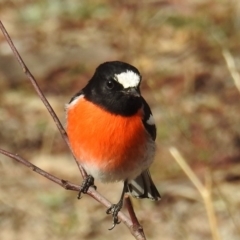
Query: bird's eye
110	84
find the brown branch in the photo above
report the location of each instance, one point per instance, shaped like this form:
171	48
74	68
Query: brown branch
63	183
136	232
135	223
70	186
39	92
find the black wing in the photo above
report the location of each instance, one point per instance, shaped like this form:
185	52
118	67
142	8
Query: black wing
149	125
142	186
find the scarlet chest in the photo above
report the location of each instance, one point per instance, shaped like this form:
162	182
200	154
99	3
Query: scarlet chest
99	137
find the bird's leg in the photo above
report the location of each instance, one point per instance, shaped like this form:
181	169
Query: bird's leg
115	208
87	182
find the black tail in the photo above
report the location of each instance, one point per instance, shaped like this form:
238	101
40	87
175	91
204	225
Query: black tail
143	187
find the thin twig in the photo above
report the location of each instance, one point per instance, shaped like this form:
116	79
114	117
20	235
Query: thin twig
91	192
205	191
136	225
70	186
40	93
63	183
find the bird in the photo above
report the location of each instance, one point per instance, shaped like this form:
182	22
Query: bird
112	132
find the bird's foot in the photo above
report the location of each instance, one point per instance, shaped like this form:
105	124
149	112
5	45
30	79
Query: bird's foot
87	182
114	209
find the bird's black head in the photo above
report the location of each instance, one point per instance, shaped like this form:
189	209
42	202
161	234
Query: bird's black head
115	87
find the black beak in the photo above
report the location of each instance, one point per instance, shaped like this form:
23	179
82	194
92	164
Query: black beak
133	91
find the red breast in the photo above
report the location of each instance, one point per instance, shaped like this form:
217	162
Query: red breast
105	140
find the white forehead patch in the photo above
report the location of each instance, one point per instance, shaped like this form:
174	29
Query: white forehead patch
128	79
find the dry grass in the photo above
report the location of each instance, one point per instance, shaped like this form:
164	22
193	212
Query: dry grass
178	48
205	191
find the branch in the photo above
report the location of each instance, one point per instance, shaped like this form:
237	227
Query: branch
39	93
63	183
136	225
136	232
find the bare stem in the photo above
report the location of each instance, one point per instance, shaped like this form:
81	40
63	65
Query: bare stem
70	186
65	184
136	225
39	93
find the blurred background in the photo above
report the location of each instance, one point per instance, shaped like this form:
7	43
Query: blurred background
186	51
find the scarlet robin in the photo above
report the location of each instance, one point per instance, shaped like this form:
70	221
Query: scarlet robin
112	132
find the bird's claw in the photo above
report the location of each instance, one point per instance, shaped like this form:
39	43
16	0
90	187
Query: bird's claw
87	182
114	209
